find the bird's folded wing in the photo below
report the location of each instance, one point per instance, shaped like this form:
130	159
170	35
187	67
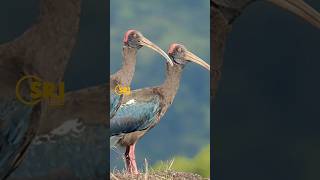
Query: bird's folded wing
135	115
89	105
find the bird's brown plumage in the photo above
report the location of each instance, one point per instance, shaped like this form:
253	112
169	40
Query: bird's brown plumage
166	93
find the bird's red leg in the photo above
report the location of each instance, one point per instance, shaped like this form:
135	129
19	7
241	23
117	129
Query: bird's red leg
131	160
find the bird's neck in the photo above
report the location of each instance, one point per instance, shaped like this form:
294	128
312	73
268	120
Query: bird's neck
127	70
51	39
171	84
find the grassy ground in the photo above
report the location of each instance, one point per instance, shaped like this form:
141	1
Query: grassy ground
165	174
155	175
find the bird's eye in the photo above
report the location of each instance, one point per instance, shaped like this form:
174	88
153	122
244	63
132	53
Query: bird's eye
179	50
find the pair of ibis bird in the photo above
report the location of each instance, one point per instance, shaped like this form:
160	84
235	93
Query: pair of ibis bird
131	116
44	50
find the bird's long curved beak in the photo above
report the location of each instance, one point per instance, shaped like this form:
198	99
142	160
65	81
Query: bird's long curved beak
300	8
191	57
146	42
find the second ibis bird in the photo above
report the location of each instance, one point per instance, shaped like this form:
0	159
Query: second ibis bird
144	108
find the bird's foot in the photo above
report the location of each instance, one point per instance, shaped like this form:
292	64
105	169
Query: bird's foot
133	171
132	166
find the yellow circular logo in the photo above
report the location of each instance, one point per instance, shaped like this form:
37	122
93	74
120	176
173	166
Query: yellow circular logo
32	100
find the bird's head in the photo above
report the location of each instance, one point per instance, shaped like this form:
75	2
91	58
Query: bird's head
180	55
135	39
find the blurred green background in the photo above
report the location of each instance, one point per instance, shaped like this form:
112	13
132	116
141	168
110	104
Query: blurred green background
184	131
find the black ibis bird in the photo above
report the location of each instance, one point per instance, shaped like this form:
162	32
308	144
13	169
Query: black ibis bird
42	50
133	40
224	13
143	108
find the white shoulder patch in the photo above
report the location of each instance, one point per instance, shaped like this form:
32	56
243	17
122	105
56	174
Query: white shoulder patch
73	127
131	101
